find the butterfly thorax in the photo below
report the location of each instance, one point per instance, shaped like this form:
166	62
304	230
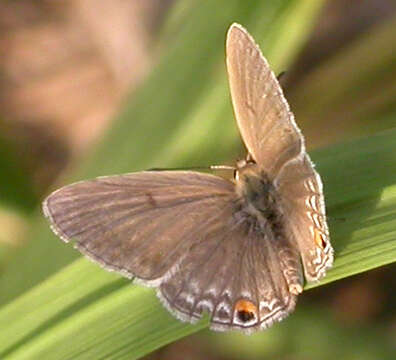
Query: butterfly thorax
258	199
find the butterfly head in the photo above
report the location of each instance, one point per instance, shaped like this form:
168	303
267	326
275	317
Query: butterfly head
245	167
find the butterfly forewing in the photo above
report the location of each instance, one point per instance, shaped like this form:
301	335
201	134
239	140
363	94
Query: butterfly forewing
139	224
262	113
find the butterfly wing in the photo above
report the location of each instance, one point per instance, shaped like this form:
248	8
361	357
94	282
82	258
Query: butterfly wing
139	224
263	116
274	141
301	191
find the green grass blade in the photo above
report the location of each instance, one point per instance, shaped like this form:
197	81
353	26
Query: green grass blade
84	312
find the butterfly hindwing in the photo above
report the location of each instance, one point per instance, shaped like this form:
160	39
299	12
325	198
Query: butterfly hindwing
239	276
302	197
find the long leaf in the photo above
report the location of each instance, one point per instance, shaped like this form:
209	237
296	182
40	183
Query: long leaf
85	313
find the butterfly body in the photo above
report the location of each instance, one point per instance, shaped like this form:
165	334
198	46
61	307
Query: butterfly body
238	250
257	193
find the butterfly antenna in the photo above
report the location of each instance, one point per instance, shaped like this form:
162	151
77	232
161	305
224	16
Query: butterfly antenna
211	167
222	167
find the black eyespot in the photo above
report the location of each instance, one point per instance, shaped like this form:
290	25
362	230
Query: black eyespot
245	316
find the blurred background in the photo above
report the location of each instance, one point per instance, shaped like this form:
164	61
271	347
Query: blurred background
91	88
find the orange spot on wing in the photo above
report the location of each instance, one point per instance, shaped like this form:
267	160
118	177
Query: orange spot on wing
245	311
246	306
319	239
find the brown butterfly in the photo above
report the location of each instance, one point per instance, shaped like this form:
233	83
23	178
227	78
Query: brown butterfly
237	250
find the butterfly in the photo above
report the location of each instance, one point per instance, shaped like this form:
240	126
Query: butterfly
236	249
